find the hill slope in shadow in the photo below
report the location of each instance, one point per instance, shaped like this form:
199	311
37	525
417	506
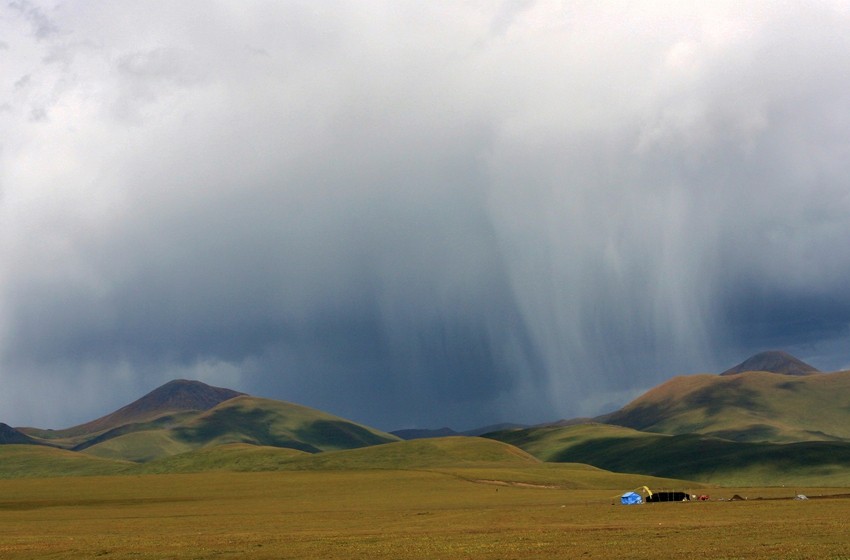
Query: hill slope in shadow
695	457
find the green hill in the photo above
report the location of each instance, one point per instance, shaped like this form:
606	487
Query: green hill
690	457
751	406
453	451
548	443
169	404
183	416
37	461
474	460
415	454
239	457
469	458
139	446
243	419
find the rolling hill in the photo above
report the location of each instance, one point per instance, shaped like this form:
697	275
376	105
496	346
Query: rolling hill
182	416
415	433
691	457
453	451
244	419
38	461
748	406
748	427
790	425
424	433
168	404
475	460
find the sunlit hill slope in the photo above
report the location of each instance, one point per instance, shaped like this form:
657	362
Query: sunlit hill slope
750	406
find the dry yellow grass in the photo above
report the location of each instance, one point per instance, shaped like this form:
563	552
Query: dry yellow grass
396	514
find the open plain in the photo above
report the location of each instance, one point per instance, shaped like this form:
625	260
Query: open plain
442	513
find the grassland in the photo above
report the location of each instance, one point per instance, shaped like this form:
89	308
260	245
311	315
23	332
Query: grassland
530	456
455	454
35	461
753	406
400	514
692	457
449	497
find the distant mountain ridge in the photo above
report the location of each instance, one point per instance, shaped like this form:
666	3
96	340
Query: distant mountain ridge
416	433
181	416
572	422
773	361
424	433
682	427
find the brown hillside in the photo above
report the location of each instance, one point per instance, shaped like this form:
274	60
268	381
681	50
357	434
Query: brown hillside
179	395
773	361
750	406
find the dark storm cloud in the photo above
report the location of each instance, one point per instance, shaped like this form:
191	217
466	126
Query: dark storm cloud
415	214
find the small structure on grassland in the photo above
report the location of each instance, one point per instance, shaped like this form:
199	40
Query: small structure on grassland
668	497
631	498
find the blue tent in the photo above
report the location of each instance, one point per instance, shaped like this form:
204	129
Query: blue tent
630	498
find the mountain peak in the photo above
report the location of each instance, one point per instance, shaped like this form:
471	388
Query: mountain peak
773	361
175	396
186	394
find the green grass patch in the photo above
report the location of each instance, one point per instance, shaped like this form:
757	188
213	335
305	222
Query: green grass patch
35	461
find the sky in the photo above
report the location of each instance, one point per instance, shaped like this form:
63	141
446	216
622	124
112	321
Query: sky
416	214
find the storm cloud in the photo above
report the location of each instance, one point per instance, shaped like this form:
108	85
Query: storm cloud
416	214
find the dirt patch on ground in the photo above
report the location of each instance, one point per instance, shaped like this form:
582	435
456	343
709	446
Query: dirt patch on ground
786	498
522	484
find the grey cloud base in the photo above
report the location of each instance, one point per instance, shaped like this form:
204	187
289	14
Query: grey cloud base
412	215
